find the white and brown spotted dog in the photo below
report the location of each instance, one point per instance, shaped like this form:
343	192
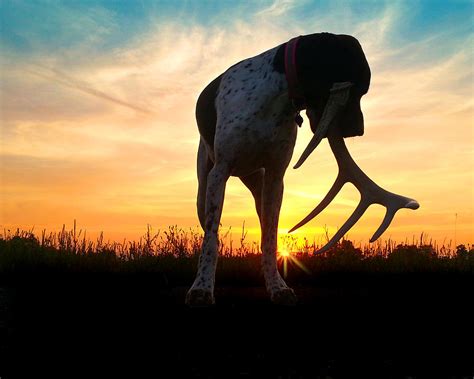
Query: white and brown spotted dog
247	119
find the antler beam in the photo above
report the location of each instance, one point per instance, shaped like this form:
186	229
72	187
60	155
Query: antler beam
370	192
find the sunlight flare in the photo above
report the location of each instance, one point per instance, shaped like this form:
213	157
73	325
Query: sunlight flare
286	258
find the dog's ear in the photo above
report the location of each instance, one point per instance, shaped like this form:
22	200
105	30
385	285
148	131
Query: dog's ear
324	59
356	66
318	61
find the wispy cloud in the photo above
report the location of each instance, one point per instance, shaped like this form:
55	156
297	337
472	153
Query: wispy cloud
278	7
59	77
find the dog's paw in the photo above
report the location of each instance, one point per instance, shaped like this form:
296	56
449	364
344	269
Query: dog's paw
199	298
284	296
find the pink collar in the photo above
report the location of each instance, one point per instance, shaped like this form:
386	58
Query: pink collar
294	90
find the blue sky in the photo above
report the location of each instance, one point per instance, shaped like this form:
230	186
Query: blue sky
97	105
28	25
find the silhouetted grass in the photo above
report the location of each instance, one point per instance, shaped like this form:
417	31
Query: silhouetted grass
173	254
72	295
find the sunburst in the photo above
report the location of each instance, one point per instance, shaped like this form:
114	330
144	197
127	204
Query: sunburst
284	255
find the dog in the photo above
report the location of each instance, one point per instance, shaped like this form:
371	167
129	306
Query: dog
248	119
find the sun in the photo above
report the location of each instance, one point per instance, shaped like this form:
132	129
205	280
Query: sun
283	253
286	256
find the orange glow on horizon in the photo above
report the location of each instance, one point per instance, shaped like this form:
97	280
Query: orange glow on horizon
113	144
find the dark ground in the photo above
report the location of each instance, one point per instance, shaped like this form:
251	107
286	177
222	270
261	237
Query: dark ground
354	325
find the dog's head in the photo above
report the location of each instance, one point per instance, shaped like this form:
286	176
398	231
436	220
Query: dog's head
324	59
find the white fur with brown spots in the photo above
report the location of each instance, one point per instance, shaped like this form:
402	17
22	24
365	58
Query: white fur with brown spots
255	134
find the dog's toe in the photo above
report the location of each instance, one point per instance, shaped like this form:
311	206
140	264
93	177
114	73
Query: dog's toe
285	296
199	298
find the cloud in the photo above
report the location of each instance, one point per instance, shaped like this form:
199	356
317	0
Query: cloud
116	128
278	8
67	81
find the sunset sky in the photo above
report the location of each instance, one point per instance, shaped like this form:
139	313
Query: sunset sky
97	113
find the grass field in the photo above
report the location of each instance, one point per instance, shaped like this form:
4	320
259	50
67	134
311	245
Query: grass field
173	255
72	307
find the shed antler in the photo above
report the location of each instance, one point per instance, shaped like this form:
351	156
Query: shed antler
370	192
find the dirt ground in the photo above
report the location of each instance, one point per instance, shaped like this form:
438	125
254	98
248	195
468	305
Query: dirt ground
132	326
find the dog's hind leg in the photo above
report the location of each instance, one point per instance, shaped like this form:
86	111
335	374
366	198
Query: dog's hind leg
280	293
202	290
204	166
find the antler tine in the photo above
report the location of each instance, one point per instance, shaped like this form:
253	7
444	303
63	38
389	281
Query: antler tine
355	216
338	97
370	192
389	215
403	202
336	187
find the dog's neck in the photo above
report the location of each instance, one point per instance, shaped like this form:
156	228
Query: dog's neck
285	62
295	91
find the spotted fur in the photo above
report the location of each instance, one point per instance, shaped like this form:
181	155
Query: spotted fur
254	137
247	127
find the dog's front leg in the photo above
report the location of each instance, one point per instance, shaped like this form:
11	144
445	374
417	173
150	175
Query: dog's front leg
279	292
202	290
